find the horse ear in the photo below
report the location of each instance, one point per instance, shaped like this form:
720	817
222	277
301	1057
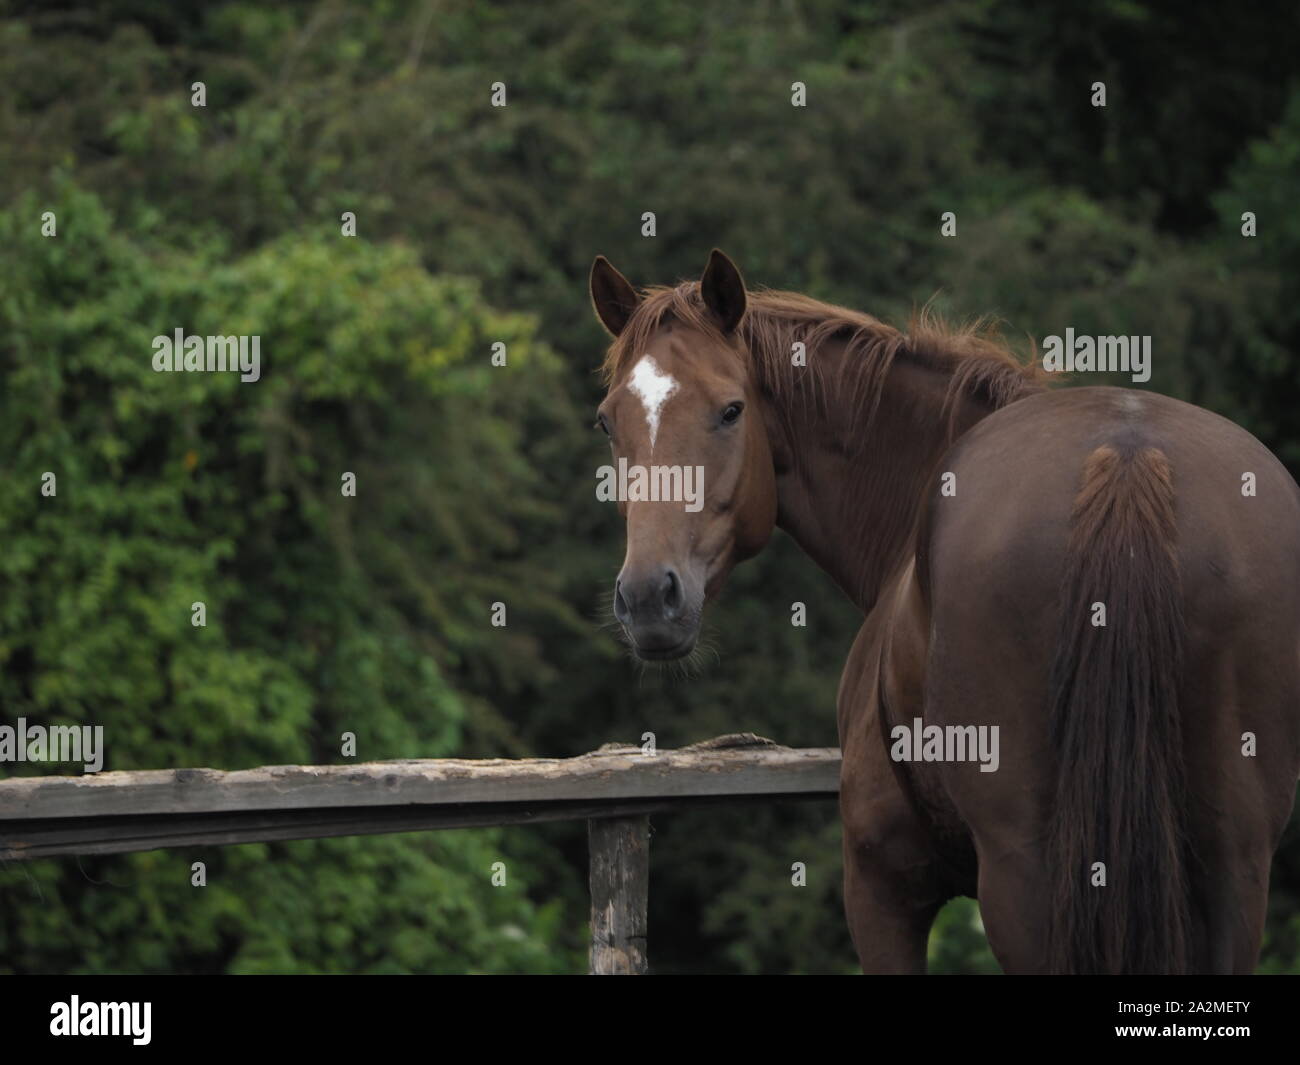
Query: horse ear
723	290
612	295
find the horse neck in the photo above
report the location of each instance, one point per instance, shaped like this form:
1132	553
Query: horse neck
850	485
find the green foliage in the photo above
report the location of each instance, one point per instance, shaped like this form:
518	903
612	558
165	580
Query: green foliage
325	613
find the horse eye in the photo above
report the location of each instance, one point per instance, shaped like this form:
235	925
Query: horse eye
600	420
732	412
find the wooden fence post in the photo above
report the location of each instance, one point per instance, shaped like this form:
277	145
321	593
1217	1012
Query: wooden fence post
620	891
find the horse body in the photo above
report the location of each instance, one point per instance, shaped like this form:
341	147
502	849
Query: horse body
1079	570
968	631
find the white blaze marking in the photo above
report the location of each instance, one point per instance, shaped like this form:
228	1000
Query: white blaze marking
652	387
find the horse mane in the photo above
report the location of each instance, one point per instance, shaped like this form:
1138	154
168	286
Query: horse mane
979	364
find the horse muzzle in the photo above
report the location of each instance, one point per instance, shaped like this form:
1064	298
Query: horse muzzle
658	612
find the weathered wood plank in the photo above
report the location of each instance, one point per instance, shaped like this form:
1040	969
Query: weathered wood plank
712	769
619	879
54	837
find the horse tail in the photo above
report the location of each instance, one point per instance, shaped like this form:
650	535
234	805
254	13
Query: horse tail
1115	727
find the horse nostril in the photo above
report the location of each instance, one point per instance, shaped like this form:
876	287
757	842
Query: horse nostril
673	596
621	609
649	598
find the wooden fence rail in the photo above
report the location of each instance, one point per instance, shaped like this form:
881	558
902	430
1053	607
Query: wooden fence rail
615	789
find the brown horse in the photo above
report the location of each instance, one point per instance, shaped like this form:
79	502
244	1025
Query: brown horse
1076	694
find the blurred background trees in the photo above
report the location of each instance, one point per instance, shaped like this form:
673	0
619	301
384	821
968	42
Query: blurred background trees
475	483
